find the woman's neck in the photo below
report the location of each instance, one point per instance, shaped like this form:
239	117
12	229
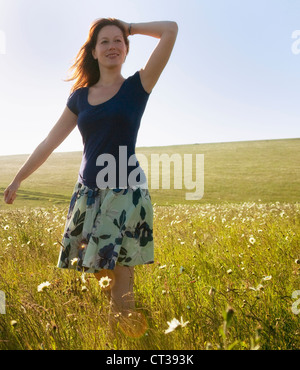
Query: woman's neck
110	77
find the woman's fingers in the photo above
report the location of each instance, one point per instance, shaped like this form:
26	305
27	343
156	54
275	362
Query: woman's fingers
10	193
8	196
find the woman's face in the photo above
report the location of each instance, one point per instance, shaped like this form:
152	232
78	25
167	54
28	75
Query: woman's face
110	49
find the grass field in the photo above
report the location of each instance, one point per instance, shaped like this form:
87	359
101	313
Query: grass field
233	172
228	264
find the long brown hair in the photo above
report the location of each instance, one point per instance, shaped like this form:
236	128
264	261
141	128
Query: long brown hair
85	68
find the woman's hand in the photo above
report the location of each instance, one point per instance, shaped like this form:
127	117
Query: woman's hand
59	132
10	192
126	26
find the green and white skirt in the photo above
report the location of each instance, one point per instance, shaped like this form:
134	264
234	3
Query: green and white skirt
107	227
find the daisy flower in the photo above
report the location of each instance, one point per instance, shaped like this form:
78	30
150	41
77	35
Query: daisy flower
74	261
252	240
43	286
267	278
104	282
174	324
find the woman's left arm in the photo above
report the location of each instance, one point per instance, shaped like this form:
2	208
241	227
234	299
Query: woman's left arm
166	31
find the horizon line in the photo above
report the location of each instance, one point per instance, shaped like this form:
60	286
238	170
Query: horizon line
170	145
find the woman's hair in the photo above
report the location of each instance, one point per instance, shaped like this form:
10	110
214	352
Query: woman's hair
85	68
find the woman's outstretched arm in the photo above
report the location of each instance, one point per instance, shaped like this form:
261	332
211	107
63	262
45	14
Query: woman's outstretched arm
166	31
56	136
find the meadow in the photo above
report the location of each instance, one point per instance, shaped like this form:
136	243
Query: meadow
227	267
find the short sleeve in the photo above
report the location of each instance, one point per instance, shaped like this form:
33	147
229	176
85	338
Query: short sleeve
139	86
73	102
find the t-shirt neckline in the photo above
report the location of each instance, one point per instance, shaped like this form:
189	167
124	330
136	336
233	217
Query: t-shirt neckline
97	105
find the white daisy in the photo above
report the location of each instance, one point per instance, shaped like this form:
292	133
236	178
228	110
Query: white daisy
174	324
267	278
252	240
43	286
74	261
104	282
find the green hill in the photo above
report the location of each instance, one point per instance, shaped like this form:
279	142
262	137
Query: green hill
266	171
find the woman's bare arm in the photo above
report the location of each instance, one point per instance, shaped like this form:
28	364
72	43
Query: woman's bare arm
166	31
63	127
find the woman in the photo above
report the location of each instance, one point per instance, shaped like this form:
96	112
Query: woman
109	224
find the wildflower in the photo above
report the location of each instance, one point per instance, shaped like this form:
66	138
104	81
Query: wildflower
162	267
212	291
229	271
13	323
74	261
267	278
6	227
104	282
43	286
252	240
297	261
84	288
174	324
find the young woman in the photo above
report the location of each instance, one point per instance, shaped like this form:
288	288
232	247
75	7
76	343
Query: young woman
110	221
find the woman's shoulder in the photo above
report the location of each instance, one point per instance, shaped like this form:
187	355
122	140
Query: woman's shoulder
136	81
77	91
74	100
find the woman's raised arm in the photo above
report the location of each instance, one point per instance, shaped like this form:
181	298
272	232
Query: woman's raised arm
166	31
63	127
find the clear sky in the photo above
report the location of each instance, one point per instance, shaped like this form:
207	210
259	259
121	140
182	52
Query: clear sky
234	73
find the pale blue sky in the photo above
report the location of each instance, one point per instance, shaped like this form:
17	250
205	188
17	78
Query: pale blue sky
232	76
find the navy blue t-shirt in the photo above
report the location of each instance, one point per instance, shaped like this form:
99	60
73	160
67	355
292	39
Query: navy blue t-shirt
109	130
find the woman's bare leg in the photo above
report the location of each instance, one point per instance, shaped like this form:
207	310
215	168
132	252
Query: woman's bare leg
120	290
122	296
122	303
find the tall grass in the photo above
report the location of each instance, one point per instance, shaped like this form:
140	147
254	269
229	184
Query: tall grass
228	271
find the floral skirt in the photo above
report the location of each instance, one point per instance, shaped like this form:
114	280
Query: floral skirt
107	227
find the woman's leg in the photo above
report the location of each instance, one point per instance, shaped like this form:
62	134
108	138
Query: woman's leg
122	303
120	289
122	296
